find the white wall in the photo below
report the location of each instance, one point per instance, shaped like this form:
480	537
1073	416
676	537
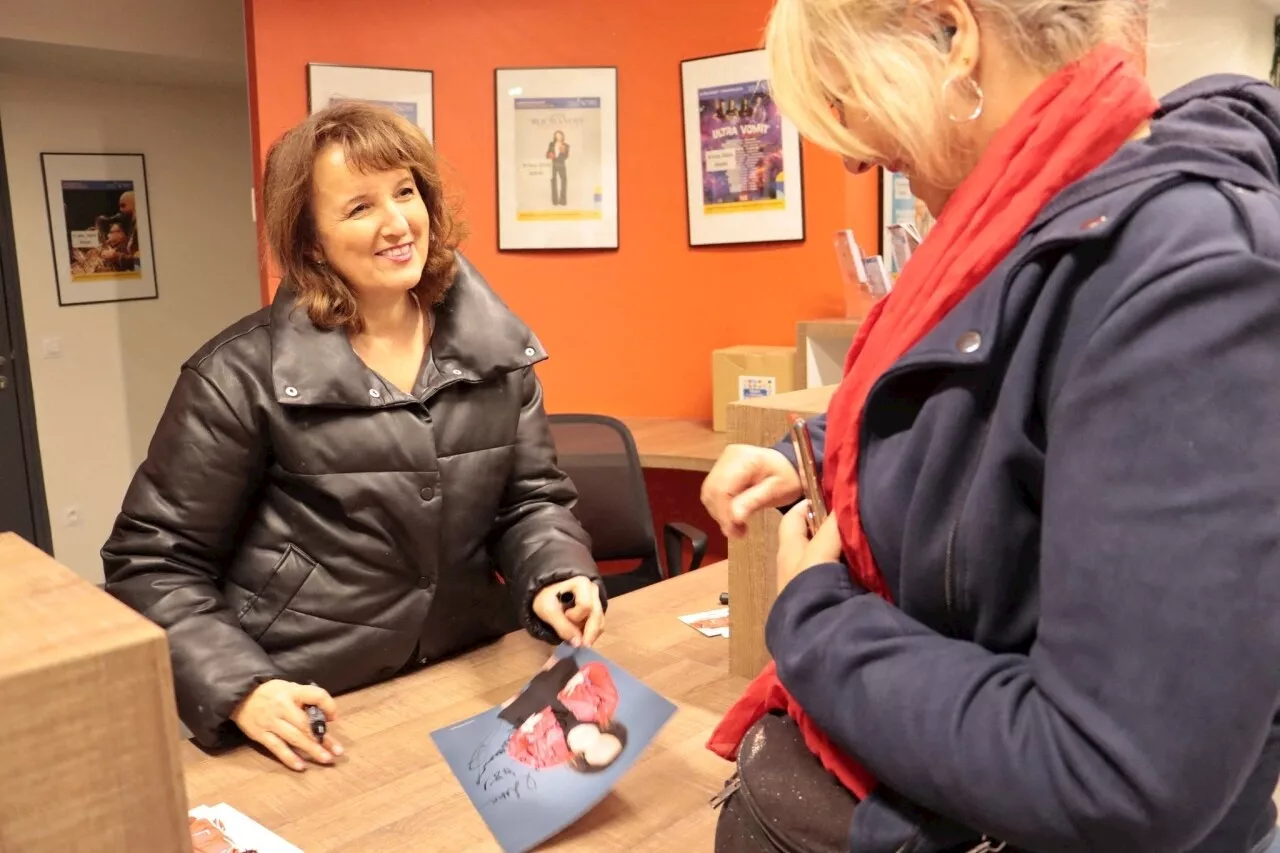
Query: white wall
98	403
1191	38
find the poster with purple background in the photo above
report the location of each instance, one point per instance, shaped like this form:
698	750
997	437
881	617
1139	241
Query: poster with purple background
742	161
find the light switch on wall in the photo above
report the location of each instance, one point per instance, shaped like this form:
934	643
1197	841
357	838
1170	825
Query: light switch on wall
52	347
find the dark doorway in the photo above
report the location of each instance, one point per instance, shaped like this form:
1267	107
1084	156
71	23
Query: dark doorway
23	508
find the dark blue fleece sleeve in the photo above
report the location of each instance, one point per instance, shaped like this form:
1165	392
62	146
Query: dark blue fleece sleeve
817	435
1147	696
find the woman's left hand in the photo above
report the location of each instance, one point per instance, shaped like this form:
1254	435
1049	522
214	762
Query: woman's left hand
797	552
579	625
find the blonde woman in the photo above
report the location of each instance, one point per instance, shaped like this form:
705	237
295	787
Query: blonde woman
1045	612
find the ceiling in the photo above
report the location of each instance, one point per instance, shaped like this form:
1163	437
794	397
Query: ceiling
174	42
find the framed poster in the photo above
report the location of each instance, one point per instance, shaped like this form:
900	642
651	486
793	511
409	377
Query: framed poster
743	167
557	158
409	92
100	227
899	207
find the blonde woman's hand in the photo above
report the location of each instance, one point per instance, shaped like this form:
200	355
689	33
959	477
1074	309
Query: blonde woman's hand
797	551
579	625
745	479
273	716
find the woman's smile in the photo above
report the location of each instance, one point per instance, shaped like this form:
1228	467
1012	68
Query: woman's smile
400	254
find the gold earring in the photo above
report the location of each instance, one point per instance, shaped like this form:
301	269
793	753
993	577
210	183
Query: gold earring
977	93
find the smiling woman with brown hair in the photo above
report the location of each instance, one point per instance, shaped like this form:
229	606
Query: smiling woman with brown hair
359	478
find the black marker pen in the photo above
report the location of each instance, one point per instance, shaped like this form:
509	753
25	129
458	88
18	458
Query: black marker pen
318	721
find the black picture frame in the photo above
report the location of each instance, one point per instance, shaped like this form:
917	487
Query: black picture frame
58	237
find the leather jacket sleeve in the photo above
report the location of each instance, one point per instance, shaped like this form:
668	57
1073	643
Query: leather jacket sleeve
168	550
537	539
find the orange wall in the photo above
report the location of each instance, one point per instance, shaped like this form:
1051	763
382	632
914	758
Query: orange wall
630	332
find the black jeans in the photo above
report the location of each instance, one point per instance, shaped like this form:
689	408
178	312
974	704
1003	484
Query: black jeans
559	196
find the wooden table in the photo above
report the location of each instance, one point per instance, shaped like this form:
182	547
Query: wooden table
393	791
685	445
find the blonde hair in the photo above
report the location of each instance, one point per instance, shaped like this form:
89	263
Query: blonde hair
882	58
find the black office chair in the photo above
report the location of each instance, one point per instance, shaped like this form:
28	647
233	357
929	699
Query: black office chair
599	455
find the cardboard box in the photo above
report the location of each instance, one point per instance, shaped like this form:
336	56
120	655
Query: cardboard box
742	372
88	722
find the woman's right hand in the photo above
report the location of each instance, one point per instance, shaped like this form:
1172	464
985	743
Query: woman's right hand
273	715
747	478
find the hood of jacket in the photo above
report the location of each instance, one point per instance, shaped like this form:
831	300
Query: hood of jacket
1224	127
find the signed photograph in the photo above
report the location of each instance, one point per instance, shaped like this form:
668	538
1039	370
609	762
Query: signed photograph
709	623
539	761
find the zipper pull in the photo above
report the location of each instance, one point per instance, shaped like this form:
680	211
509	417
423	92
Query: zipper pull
988	846
726	792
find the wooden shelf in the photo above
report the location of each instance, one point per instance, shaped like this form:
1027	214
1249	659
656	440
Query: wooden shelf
685	445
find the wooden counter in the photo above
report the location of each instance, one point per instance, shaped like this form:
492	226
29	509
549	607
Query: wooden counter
88	725
684	445
392	791
752	573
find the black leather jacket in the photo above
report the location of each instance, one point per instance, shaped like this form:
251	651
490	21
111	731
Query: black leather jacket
298	517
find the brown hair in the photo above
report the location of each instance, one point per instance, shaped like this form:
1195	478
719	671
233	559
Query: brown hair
373	139
605	727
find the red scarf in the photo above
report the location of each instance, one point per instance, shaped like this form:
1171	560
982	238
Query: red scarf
1070	125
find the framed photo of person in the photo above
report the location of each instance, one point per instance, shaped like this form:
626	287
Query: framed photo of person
557	151
899	207
743	165
409	92
100	227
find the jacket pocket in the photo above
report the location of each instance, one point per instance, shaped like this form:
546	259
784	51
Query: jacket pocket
287	577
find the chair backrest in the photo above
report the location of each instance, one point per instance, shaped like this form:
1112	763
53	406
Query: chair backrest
599	455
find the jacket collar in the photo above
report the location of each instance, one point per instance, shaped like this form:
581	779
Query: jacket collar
476	337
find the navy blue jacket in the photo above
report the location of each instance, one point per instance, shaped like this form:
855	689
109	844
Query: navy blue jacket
1072	486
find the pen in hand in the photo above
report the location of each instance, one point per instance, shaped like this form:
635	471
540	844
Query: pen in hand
318	722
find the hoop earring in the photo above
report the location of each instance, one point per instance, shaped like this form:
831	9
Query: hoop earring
946	91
